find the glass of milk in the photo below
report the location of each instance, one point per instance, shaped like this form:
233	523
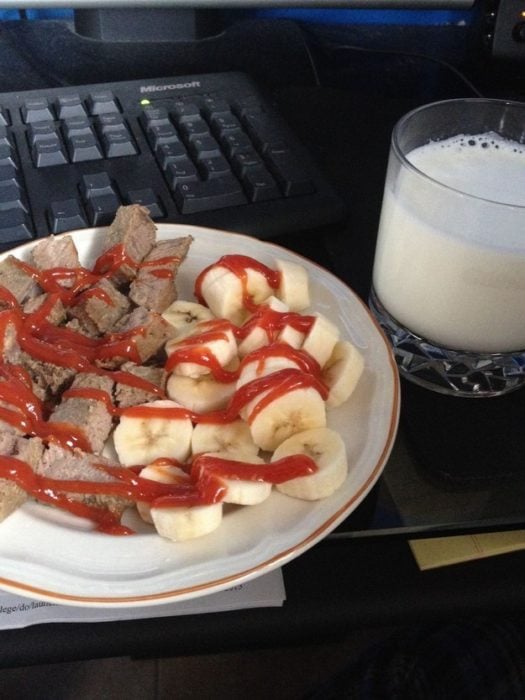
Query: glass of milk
449	271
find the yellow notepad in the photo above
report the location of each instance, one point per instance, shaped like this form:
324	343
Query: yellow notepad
442	551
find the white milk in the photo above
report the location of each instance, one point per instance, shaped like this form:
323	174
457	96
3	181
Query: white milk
451	267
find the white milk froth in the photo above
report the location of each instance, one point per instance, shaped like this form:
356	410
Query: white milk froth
451	267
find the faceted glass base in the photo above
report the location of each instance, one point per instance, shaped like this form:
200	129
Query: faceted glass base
453	372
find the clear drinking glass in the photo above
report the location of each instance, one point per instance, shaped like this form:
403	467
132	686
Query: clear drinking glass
449	270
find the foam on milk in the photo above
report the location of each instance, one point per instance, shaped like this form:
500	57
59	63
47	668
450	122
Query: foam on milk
484	165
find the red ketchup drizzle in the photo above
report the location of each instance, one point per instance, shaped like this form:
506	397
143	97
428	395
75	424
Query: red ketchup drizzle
304	361
161	267
92	394
112	259
276	472
130	379
239	266
273	322
193	349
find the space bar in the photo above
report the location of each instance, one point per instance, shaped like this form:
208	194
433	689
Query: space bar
216	193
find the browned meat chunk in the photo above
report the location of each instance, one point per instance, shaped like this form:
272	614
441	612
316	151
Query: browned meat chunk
56	313
55	252
48	379
127	393
10	351
72	465
133	229
145	331
28	450
100	308
154	287
86	406
17	280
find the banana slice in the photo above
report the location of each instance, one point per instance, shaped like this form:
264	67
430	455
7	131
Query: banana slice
153	430
224	293
163	473
289	413
254	368
293	287
327	449
230	438
215	338
291	336
200	395
185	315
342	372
182	523
221	291
243	492
258	336
321	339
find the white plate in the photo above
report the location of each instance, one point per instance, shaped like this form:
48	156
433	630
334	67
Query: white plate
50	555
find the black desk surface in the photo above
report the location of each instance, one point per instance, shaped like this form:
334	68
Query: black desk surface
440	479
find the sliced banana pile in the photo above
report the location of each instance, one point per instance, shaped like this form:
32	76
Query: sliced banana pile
252	379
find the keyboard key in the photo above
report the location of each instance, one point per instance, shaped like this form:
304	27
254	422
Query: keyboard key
235	141
183	111
101	209
42	131
7	155
242	160
180	170
168	152
8	175
117	144
77	126
5	137
214	166
4	117
102	102
260	185
66	215
222	122
48	152
84	147
69	106
96	185
194	127
111	122
15	226
204	147
147	198
162	133
292	178
11	198
154	116
216	193
36	109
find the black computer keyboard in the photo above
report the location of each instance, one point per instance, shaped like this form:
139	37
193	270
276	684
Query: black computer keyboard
207	150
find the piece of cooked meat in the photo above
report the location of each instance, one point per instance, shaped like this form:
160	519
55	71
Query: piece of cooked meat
28	450
99	309
10	349
18	281
126	394
56	313
134	229
48	379
86	406
56	251
145	331
154	286
60	463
